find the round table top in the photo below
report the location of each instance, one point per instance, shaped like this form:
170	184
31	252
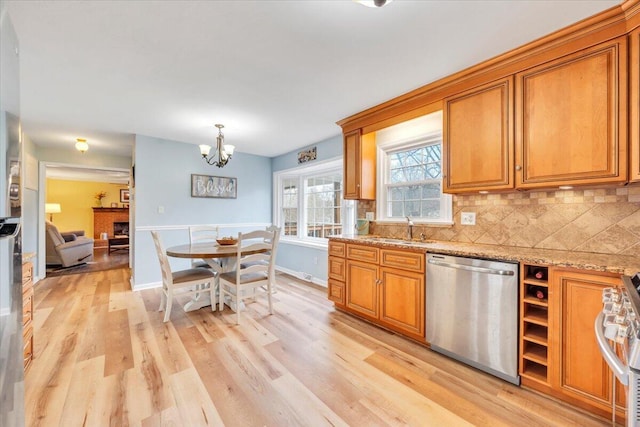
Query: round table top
207	250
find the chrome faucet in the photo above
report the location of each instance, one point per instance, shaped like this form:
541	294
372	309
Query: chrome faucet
409	228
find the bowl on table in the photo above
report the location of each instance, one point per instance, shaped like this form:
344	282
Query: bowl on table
227	241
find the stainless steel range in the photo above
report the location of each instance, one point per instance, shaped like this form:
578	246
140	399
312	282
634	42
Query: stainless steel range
617	330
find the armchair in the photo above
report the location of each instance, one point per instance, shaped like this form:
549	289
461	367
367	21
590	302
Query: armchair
67	249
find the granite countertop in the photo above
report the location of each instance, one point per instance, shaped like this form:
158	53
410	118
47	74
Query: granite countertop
28	256
611	263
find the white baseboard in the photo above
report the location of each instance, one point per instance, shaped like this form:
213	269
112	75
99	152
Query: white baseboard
144	286
303	276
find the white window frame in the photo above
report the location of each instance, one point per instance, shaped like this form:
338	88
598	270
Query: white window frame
302	173
387	148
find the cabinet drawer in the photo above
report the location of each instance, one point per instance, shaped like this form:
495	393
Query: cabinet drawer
27	349
27	273
337	249
336	291
405	260
27	308
363	253
337	268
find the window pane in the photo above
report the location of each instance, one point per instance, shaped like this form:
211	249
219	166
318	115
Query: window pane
413	187
323	200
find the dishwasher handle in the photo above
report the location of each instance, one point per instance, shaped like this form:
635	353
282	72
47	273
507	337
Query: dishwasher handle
471	268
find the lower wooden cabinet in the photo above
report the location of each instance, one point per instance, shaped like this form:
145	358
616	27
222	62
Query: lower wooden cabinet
27	313
580	371
402	301
362	288
559	352
385	286
337	273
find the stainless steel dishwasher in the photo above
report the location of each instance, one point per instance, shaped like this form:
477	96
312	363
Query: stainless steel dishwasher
472	312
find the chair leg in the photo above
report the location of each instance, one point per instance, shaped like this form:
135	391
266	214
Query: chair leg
238	300
163	300
269	296
167	312
221	294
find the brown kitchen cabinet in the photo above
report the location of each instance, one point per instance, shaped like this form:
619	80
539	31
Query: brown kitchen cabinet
478	139
359	166
337	273
571	119
559	354
387	287
634	105
27	313
402	304
579	371
362	288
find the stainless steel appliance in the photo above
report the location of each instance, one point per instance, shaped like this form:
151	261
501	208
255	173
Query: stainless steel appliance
617	330
472	312
11	348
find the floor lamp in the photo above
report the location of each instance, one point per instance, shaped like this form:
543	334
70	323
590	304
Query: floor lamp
52	208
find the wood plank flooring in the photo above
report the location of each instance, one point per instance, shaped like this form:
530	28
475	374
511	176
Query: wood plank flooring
103	357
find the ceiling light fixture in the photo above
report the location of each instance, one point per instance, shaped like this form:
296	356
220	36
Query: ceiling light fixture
224	151
81	145
373	3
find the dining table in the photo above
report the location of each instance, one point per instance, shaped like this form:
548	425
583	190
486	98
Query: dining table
221	259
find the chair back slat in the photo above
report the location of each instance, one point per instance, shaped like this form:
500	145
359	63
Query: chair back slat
203	233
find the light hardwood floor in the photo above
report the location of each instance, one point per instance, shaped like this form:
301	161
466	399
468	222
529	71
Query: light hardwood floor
103	357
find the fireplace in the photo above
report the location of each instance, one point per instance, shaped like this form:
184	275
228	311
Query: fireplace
120	229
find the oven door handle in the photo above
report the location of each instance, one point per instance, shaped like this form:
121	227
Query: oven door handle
618	368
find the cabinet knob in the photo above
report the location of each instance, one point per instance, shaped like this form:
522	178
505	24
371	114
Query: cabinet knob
518	167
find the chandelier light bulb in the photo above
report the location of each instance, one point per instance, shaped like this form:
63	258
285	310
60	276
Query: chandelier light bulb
81	145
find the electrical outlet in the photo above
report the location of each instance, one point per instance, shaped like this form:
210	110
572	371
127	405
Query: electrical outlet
468	218
369	216
160	209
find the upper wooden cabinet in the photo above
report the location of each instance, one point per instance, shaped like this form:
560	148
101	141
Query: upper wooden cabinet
478	139
359	166
634	104
571	119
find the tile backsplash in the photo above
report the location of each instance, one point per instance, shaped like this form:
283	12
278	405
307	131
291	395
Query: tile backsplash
598	221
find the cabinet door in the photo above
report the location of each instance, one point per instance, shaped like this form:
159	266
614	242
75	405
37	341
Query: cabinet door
571	119
359	166
478	139
362	288
402	301
580	370
634	105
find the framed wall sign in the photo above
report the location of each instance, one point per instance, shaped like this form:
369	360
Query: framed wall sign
217	187
124	196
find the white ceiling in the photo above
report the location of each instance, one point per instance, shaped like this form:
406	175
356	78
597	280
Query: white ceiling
277	74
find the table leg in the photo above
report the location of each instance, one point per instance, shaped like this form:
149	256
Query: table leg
203	299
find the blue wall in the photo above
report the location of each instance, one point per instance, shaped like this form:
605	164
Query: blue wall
295	258
163	171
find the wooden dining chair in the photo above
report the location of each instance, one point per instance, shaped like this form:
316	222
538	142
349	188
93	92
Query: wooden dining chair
202	234
192	281
254	272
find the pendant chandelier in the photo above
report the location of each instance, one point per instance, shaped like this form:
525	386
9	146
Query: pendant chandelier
222	154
